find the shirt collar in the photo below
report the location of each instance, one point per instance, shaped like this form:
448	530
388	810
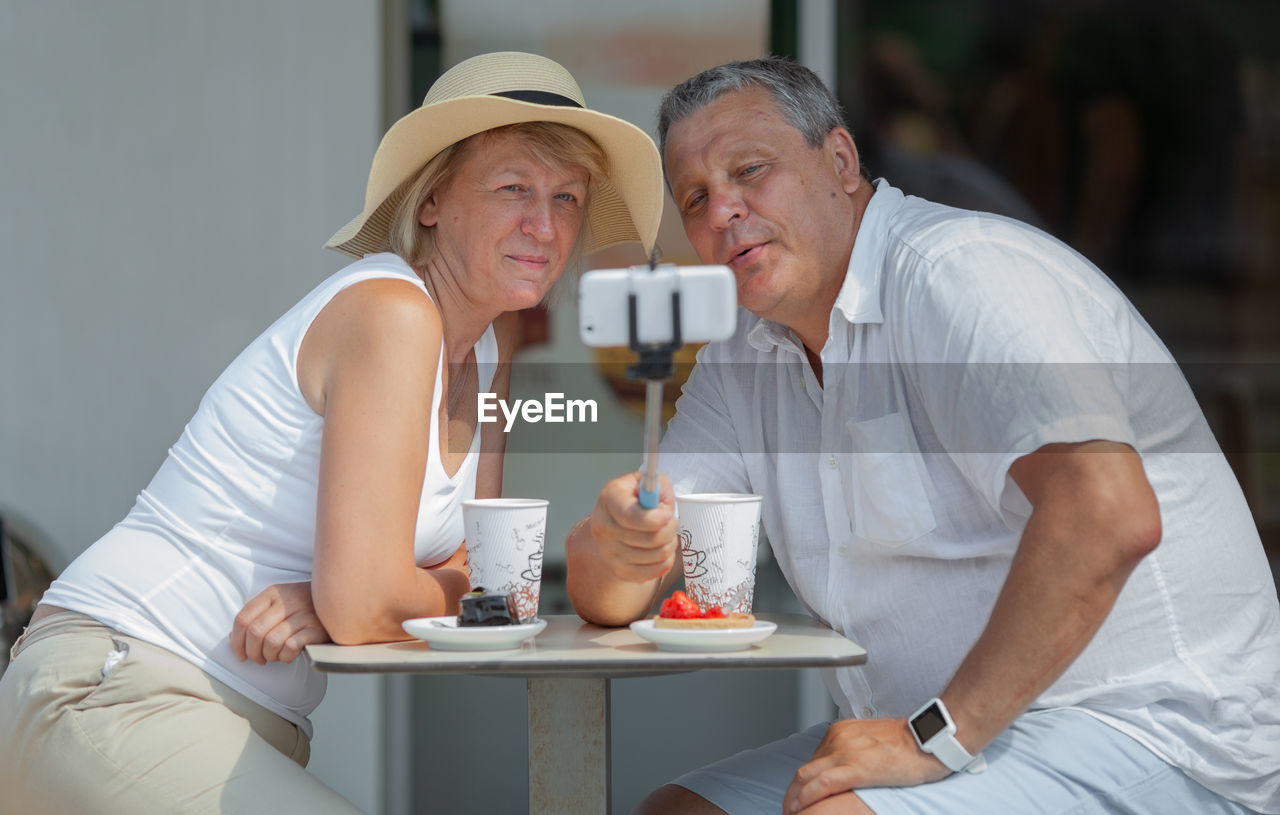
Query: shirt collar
765	335
859	297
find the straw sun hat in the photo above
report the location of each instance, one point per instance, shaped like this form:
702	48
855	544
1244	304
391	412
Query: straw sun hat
493	90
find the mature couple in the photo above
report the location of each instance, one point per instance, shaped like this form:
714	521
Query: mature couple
977	460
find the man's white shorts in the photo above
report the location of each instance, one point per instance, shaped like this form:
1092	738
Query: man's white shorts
1053	762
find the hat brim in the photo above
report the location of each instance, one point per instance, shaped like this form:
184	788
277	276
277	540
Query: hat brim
626	206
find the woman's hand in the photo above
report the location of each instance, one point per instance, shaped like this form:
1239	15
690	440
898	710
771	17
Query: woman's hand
277	624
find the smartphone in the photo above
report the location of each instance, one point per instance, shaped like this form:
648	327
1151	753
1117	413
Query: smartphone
708	304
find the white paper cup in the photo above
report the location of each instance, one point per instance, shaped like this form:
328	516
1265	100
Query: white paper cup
505	538
719	533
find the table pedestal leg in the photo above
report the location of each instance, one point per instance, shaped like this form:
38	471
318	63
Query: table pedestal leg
568	746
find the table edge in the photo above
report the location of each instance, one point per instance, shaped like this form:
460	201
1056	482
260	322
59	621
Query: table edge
694	661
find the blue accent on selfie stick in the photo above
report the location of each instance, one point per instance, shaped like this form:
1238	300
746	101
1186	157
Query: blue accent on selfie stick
648	498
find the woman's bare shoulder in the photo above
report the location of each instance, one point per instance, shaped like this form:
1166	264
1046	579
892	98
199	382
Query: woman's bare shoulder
385	297
382	310
374	327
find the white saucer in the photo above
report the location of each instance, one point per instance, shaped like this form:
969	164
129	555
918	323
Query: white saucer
703	639
444	634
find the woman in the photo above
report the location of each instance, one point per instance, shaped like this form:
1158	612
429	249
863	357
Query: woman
317	491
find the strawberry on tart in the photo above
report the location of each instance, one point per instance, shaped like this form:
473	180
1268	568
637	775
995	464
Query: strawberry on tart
678	611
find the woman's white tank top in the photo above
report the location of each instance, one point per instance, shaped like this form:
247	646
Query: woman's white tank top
232	510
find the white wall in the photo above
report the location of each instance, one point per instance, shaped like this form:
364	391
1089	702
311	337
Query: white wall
168	172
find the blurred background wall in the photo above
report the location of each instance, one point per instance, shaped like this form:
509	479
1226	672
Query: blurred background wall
168	174
170	168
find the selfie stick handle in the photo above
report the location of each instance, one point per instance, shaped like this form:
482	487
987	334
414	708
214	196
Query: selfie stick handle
655	365
652	419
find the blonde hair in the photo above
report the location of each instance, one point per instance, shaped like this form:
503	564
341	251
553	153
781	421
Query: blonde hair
550	143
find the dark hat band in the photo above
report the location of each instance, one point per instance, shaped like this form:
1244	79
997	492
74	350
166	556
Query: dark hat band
539	98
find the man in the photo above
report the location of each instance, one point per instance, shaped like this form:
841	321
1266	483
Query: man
978	462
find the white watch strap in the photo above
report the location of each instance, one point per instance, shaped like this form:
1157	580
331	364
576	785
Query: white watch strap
952	753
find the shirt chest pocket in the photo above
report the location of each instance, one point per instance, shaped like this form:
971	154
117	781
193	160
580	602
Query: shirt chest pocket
885	483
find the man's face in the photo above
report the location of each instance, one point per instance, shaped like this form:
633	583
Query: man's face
755	197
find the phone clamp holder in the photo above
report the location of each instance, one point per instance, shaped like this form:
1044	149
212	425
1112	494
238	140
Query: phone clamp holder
655	357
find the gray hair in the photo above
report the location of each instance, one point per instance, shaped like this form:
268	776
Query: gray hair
802	99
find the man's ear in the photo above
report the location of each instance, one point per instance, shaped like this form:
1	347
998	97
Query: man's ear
429	212
844	157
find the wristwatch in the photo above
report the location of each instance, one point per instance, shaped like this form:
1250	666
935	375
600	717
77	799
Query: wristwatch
935	732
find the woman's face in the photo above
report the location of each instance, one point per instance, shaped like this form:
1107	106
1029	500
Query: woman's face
506	223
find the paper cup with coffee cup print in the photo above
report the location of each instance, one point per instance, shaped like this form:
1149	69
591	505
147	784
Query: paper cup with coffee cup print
719	533
505	538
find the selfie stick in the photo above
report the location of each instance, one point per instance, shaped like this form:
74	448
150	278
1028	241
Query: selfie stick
654	366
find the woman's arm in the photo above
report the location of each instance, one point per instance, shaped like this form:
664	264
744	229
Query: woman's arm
368	365
281	620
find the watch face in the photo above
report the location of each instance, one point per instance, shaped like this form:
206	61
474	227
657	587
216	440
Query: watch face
928	724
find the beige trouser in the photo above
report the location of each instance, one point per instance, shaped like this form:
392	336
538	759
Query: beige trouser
155	735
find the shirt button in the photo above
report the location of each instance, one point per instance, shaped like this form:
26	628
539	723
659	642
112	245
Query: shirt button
868	713
843	549
832	463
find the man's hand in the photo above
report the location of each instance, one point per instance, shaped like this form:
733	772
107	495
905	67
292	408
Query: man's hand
637	544
861	753
277	624
621	558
